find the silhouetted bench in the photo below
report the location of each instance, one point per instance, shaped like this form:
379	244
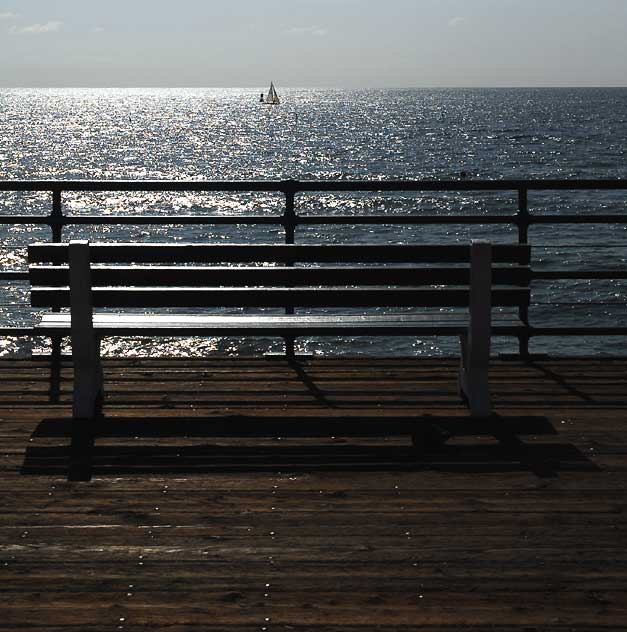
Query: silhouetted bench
143	277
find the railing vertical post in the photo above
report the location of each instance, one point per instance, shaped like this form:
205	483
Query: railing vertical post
289	224
523	215
56	226
523	238
289	217
56	217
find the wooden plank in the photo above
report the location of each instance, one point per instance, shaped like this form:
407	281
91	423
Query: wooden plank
340	297
274	276
263	325
321	608
280	253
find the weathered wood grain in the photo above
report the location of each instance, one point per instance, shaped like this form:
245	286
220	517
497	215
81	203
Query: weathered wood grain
182	529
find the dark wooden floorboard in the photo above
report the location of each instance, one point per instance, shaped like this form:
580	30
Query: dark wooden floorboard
211	507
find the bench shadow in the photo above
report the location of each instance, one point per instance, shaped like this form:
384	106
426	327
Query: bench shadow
162	445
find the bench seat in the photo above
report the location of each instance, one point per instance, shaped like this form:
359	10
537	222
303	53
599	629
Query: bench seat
279	325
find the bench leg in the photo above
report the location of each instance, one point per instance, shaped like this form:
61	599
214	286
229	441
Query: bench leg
85	341
473	372
290	349
88	389
473	382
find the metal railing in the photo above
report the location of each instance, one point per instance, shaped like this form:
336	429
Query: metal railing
290	220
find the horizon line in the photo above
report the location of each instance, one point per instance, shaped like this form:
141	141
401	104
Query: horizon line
316	87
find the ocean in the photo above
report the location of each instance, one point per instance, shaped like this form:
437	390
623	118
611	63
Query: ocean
225	134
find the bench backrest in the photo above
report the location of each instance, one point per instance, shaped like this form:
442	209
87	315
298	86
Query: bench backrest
221	275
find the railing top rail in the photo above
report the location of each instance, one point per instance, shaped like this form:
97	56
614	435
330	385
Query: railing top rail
285	186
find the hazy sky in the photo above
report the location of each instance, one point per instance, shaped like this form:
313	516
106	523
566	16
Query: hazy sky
336	43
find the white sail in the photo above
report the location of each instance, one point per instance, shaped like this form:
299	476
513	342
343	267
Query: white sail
273	97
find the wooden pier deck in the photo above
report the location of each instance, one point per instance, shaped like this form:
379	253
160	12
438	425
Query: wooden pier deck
187	524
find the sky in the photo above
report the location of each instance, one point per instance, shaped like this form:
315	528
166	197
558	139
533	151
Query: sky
313	43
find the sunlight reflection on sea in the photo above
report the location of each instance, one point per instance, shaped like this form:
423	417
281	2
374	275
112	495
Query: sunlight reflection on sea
224	134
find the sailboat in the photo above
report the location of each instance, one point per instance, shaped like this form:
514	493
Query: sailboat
272	98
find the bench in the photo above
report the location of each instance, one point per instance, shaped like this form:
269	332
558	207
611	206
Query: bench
328	278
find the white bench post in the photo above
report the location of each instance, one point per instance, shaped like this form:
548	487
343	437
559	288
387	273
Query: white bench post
475	355
85	344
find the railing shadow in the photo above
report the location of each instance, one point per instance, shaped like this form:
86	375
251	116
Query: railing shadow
99	448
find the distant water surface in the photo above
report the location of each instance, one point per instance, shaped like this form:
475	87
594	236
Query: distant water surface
329	134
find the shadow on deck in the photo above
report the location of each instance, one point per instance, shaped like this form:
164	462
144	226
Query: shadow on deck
431	446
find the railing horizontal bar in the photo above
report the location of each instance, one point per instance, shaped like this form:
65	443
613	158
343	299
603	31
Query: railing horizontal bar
406	219
594	246
26	219
172	219
13	275
311	219
577	331
577	219
460	185
577	304
142	185
19	331
311	185
543	275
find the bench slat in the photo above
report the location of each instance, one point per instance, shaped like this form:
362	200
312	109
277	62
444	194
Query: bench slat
251	276
276	325
278	297
280	253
